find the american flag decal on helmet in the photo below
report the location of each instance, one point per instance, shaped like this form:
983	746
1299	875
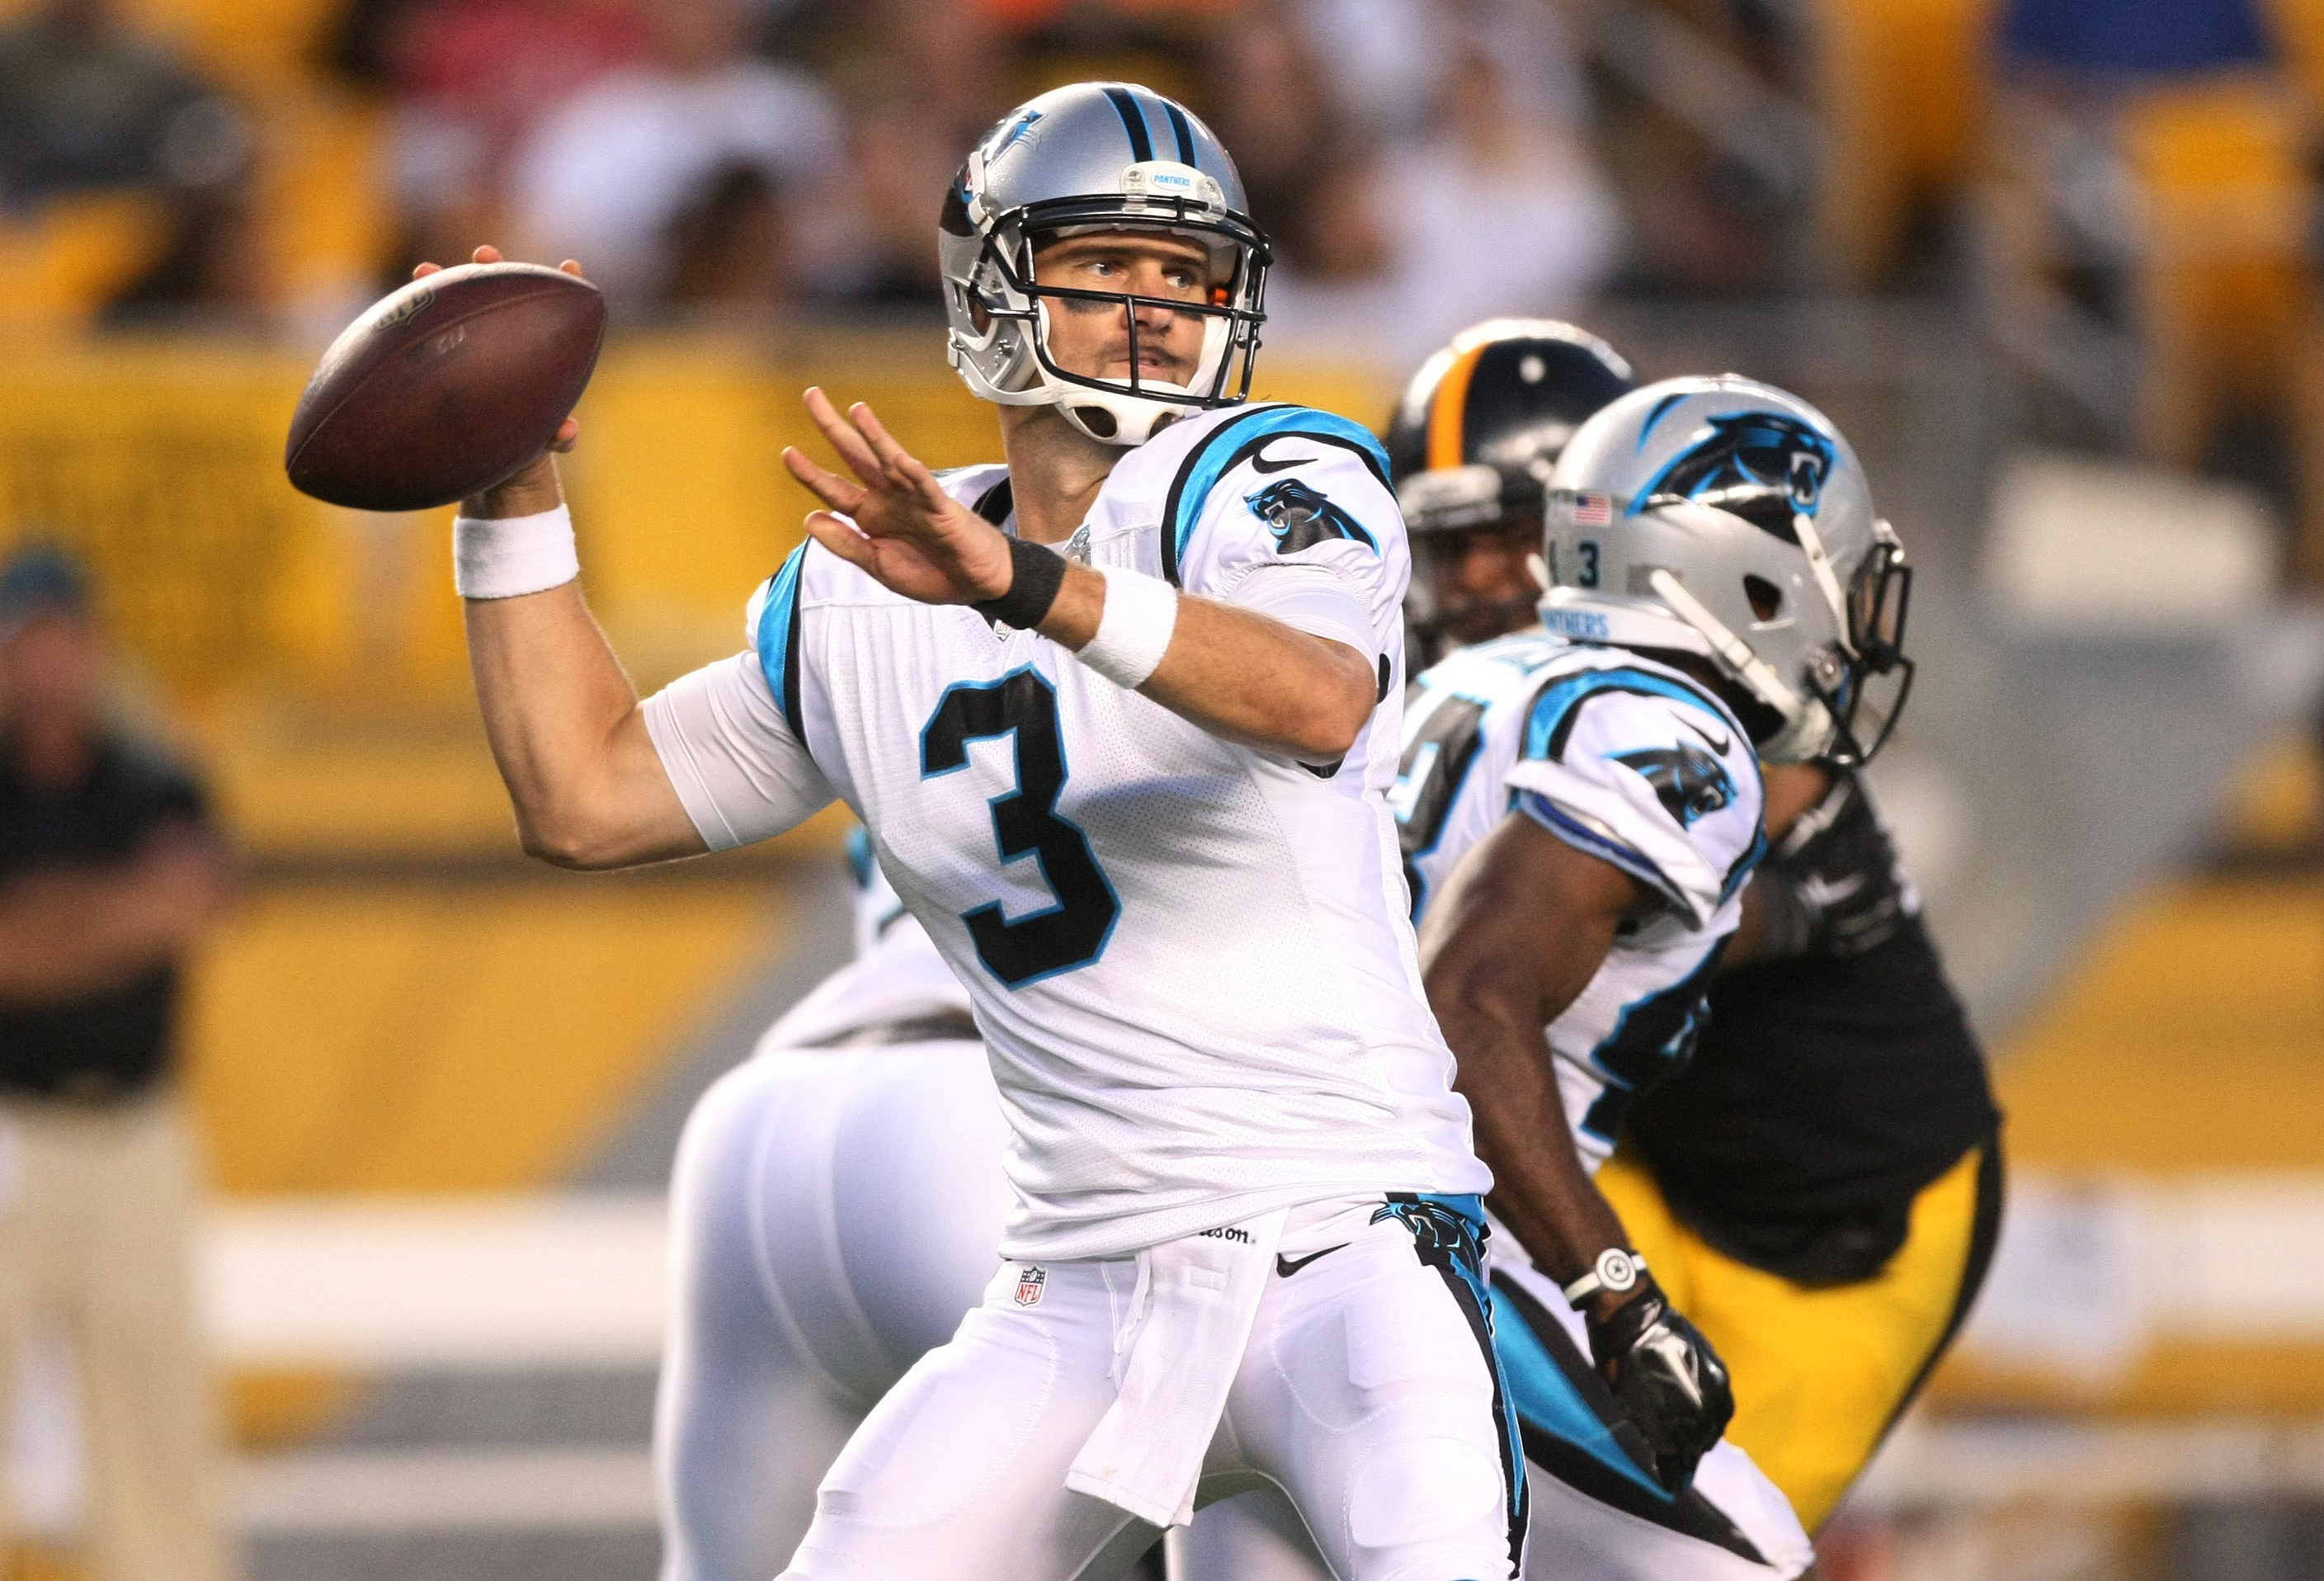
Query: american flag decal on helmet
1593	510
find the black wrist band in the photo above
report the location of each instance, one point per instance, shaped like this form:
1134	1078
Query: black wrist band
1036	574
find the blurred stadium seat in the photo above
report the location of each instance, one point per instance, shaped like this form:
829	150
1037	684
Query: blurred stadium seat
1901	86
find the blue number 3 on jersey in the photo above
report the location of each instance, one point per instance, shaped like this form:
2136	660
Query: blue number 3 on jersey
1073	932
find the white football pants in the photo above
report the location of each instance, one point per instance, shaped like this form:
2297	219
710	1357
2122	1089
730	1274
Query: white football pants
832	1215
835	1212
1367	1393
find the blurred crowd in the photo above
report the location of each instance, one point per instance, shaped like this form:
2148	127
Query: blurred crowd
2123	192
1414	158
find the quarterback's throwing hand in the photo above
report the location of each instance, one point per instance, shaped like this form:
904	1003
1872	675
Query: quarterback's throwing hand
893	519
1667	1377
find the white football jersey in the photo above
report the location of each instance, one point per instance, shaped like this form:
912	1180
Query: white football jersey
1629	761
1191	961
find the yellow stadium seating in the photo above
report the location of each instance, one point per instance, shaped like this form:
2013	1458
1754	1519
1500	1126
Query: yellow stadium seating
1901	86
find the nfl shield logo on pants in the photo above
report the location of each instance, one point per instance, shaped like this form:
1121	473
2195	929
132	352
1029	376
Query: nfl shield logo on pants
1030	1282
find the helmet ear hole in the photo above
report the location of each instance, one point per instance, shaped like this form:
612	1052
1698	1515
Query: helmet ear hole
1766	598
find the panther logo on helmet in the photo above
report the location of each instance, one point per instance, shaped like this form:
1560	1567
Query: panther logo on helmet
1743	533
1750	455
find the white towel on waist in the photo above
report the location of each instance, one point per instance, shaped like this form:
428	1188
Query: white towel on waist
1175	1356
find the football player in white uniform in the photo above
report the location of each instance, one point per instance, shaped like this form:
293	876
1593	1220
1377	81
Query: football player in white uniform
1577	860
835	1209
1136	793
1569	816
1819	1189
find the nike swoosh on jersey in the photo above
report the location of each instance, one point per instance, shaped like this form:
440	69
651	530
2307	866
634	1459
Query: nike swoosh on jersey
1259	463
1717	743
1285	1267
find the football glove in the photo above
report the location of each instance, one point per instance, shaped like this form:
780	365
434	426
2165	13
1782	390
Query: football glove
1667	1378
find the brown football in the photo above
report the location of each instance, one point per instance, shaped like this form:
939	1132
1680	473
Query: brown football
446	387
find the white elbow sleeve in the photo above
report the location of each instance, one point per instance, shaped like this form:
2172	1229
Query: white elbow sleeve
1134	630
508	557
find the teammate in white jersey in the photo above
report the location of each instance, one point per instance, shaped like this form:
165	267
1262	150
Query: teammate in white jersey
1725	529
1818	1188
835	1209
1753	510
1137	794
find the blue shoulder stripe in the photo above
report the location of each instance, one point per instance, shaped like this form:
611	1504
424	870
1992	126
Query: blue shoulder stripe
779	641
1550	720
1234	441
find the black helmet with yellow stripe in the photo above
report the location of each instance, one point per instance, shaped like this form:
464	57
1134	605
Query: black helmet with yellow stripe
1471	448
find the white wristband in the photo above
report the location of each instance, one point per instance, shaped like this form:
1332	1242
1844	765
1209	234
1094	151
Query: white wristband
510	556
1134	630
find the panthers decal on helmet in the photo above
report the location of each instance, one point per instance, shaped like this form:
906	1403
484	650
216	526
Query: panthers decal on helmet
1017	131
1749	452
1300	518
1688	781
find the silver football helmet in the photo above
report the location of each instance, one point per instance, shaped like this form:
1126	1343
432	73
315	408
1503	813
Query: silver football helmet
1724	517
1096	156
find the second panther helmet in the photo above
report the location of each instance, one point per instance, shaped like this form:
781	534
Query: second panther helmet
1470	446
1727	518
1096	156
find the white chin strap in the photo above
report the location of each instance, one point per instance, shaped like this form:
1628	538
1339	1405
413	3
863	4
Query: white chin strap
1807	723
1136	418
1820	566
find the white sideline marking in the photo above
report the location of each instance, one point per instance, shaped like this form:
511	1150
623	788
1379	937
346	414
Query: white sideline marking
2095	546
1983	1466
478	1282
1954	1466
2087	1275
563	1489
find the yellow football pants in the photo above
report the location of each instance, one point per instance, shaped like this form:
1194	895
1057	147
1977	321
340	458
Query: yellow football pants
1819	1373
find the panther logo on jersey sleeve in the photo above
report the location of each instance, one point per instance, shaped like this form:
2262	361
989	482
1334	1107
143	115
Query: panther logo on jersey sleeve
1688	781
1627	761
1300	518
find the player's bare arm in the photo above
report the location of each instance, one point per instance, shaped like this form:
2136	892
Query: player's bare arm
560	713
1517	932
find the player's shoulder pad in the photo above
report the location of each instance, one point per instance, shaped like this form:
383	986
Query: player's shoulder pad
1276	444
1637	764
983	488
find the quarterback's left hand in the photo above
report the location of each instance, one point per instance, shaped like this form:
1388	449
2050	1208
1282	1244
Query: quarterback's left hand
895	521
1667	1377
